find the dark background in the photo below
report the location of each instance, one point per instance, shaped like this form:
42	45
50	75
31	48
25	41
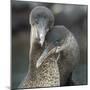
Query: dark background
74	17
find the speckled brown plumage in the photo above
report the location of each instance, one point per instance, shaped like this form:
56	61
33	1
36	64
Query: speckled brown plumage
52	72
46	75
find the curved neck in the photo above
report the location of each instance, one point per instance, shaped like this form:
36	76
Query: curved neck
34	54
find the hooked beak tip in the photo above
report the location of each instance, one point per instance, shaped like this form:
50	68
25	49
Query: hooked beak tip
41	42
37	65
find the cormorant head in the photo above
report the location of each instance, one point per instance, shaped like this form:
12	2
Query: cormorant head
41	20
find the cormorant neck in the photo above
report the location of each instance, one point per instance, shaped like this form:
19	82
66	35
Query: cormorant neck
34	54
33	58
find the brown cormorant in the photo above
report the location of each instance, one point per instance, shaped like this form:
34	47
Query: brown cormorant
53	51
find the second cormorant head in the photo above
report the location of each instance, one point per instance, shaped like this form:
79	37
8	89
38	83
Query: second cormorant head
41	20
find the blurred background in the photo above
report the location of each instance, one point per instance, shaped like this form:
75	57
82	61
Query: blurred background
74	17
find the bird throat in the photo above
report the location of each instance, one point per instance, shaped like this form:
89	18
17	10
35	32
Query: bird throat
35	52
